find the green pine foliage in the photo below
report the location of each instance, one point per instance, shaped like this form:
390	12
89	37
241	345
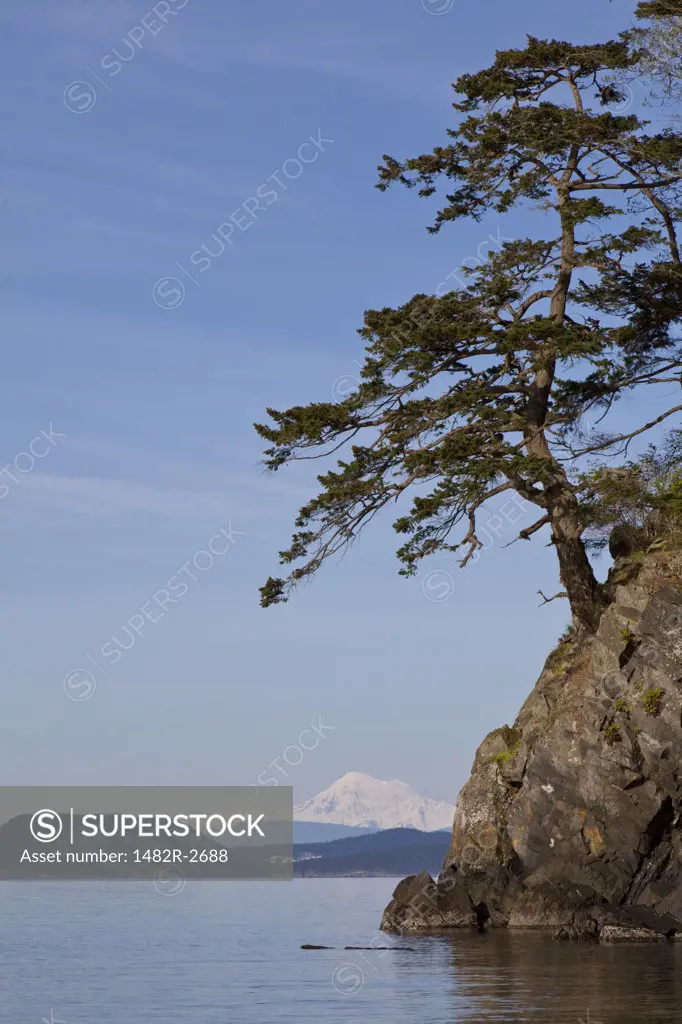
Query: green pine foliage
489	387
645	493
659	9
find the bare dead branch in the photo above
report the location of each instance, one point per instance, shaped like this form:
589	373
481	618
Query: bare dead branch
548	600
530	530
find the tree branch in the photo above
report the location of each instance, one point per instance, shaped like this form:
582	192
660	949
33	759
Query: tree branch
530	530
471	539
621	187
609	442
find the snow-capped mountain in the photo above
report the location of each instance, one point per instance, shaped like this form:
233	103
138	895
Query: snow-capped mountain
361	800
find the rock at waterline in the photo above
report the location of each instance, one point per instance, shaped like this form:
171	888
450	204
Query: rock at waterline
571	820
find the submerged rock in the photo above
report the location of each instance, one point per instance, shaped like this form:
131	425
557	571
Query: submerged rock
570	820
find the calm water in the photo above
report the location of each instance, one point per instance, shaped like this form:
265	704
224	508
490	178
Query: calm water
229	954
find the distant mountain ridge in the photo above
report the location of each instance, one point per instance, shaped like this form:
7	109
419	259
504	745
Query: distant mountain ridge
388	853
324	832
360	800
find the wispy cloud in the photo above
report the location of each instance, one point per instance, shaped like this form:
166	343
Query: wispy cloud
213	39
101	497
327	54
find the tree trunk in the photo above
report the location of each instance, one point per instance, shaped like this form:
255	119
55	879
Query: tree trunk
584	592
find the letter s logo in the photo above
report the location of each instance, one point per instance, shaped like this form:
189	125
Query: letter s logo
46	826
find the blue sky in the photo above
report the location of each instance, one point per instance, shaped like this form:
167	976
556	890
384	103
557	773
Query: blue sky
110	179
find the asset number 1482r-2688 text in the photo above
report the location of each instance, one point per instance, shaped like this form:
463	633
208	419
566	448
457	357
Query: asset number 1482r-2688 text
194	856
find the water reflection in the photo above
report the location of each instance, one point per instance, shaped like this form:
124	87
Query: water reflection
513	976
222	953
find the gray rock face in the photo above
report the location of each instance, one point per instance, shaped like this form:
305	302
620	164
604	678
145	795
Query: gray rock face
571	819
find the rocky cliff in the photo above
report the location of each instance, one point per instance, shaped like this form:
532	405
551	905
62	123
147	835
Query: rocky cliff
571	818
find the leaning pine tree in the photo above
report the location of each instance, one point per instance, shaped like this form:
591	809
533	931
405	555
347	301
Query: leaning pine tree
483	390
